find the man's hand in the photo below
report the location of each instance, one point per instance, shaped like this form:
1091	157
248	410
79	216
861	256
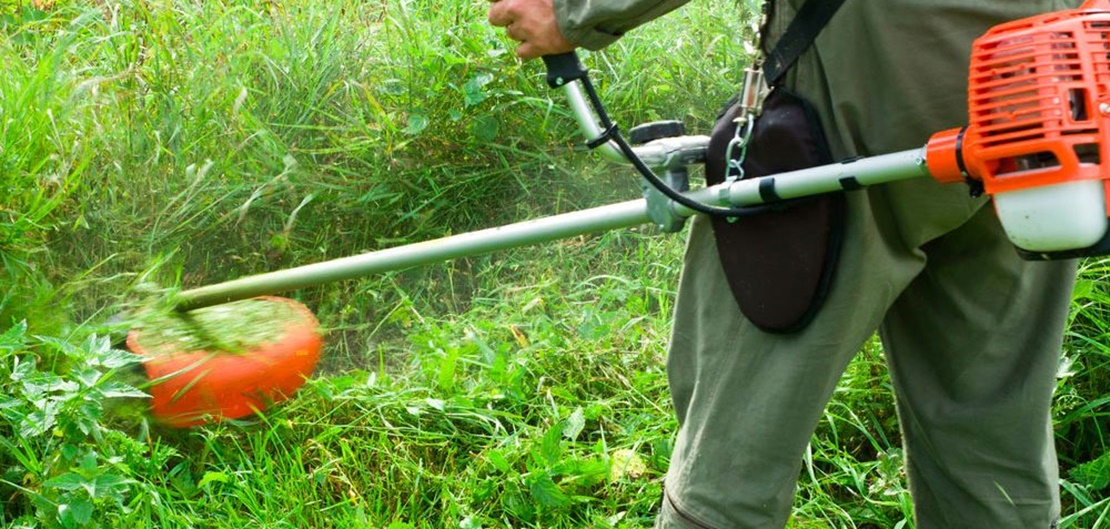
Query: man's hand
532	23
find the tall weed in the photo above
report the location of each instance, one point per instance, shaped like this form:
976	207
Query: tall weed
46	146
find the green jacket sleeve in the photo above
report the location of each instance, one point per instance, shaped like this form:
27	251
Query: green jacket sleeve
594	24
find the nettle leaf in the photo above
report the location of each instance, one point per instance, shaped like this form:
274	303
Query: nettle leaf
23	370
546	492
575	424
97	346
111	486
417	123
551	446
473	89
85	417
485	128
86	376
88	462
500	462
116	358
1094	474
56	384
583	471
98	486
113	389
1084	289
75	513
37	423
14	338
67	481
65	347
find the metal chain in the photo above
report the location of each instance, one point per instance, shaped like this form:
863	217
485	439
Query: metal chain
751	105
745	122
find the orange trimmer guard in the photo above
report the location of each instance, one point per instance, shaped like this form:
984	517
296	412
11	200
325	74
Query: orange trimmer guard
190	387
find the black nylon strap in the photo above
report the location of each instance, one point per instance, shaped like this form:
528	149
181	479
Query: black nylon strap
810	20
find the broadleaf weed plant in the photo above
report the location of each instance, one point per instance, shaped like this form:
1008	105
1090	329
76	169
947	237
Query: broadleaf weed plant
63	463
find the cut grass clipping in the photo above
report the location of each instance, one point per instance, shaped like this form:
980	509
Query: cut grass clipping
237	327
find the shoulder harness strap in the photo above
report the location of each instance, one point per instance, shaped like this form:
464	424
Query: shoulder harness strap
799	35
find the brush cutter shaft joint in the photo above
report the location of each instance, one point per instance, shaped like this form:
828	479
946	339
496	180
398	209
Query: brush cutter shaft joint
674	153
660	208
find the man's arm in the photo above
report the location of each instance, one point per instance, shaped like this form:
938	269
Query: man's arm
532	22
549	27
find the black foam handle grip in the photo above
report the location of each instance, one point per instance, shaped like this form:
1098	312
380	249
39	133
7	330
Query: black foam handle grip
563	68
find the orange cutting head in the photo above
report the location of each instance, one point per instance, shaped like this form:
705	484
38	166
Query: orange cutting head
1036	139
197	385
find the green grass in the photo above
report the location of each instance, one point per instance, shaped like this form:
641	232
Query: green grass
151	146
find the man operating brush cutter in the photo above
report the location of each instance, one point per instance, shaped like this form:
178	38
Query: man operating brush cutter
816	260
971	330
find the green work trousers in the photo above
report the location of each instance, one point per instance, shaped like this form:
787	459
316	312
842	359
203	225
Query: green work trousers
971	332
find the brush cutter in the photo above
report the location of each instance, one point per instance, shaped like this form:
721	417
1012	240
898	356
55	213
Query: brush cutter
1036	142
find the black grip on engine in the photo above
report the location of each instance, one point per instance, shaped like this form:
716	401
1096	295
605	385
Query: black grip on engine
563	68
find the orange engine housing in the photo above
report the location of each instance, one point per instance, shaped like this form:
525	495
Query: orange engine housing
1038	96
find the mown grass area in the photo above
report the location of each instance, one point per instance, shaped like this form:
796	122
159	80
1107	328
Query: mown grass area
152	146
